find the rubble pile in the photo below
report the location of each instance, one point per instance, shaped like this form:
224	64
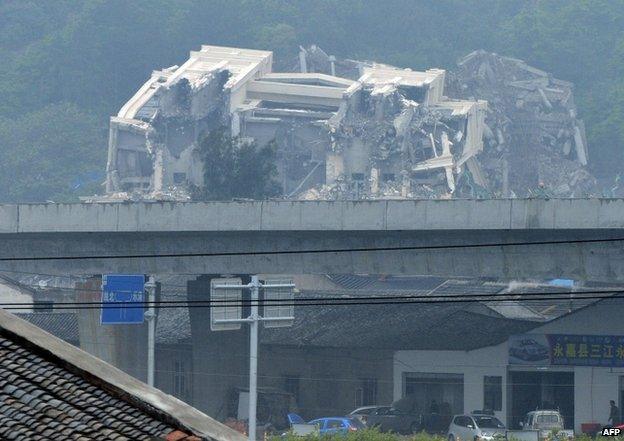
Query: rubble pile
170	194
533	141
412	142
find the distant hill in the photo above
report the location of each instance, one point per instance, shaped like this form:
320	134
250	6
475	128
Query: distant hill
68	65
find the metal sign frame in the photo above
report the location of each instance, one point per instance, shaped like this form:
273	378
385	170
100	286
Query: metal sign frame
225	316
254	319
275	314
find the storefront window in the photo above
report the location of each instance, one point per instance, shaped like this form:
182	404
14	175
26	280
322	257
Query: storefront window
493	393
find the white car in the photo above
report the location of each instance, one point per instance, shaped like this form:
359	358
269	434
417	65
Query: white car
547	422
476	427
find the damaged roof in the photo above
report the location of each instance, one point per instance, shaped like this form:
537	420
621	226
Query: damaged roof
241	63
52	390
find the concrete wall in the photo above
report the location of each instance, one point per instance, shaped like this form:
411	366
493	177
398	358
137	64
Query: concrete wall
170	358
220	358
593	386
381	215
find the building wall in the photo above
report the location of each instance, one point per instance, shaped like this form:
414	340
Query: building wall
12	294
474	365
329	378
174	371
220	358
593	386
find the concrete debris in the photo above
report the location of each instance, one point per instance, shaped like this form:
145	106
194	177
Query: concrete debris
349	129
534	142
314	59
170	194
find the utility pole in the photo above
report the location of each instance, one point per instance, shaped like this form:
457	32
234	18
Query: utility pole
253	355
150	316
254	319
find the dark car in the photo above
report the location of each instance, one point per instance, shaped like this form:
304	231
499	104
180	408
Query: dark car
362	413
529	350
388	419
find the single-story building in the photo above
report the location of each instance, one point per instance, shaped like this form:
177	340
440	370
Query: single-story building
574	363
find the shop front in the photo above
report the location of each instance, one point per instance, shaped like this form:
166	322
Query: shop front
574	364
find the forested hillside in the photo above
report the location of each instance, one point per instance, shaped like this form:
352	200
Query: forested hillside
68	65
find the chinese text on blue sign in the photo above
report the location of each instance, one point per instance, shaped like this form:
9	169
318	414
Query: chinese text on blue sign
587	350
567	350
122	299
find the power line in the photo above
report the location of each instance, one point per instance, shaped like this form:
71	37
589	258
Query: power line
473	296
317	302
165	286
311	251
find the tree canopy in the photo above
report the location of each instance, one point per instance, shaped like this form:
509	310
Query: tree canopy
235	168
67	66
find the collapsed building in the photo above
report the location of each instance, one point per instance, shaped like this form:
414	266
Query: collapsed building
383	134
343	128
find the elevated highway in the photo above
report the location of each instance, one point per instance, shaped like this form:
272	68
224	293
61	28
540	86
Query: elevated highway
572	238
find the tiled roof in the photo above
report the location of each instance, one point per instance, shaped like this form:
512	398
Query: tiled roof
50	390
63	325
333	326
42	281
525	309
39	400
450	326
358	281
173	325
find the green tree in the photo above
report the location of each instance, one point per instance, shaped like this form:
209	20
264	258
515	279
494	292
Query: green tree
281	39
55	153
234	168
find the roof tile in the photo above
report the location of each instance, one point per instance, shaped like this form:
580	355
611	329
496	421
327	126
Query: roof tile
41	400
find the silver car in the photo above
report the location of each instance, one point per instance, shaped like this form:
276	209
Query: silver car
476	427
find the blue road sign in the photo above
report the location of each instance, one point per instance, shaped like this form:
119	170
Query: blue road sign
118	292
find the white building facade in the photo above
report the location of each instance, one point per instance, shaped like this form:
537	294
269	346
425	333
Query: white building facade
495	378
